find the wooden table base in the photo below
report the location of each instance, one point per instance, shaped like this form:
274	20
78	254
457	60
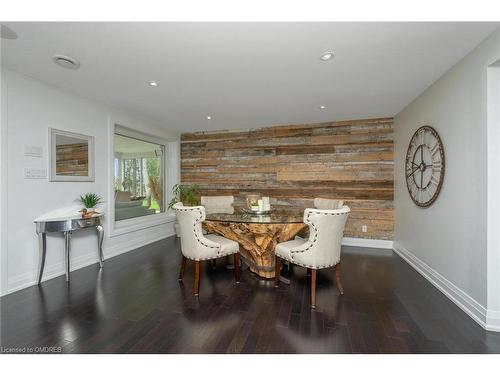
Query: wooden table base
257	241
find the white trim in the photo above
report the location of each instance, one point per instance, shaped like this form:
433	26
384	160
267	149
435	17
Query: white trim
367	242
135	133
457	295
493	186
53	176
4	204
111	177
493	320
134	224
54	270
132	245
173	170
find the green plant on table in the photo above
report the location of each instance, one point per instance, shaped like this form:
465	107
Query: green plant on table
90	200
187	194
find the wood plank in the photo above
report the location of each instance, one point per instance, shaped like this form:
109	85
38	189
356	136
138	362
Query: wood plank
292	164
385	307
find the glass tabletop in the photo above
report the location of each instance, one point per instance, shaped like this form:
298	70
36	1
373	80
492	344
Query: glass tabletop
276	217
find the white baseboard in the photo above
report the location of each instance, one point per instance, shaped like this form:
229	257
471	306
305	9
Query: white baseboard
54	270
493	320
367	242
469	305
119	249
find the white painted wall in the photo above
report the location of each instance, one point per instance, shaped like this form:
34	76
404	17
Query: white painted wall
448	241
31	108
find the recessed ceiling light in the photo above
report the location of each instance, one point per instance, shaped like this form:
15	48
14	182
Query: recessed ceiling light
153	83
322	107
66	61
209	117
326	56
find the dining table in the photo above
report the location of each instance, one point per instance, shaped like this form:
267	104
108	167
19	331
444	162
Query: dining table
257	235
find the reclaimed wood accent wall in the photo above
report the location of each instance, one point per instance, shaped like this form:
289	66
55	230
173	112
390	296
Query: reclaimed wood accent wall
349	160
72	159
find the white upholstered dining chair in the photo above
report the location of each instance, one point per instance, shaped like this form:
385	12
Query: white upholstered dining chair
218	204
197	247
320	250
221	204
323	204
328	204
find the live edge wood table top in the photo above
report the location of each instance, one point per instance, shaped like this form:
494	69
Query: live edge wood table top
257	235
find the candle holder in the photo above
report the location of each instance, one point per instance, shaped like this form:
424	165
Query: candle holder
253	201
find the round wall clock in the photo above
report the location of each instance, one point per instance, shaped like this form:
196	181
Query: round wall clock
424	168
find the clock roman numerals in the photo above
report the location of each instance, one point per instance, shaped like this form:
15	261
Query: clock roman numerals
434	149
424	169
434	181
410	171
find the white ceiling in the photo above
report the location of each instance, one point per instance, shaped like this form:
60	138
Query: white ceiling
244	74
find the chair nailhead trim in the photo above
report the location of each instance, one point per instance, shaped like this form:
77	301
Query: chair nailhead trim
311	243
308	222
198	220
305	265
217	257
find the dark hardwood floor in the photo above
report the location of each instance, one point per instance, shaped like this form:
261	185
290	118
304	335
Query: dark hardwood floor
136	305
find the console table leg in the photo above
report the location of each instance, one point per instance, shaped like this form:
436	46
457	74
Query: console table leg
67	246
100	238
42	245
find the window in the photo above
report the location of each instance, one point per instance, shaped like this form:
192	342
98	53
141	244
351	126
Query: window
139	177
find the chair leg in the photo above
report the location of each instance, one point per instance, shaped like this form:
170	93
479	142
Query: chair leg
182	268
313	288
196	285
237	267
230	263
308	272
337	278
277	269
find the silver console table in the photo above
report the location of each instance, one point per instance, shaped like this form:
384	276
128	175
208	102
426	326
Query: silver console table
67	226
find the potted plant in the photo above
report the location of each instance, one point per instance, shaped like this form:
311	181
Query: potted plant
89	201
187	194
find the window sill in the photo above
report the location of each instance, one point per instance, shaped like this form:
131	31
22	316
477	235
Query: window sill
135	224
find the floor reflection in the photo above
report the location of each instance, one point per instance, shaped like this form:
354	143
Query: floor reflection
135	304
